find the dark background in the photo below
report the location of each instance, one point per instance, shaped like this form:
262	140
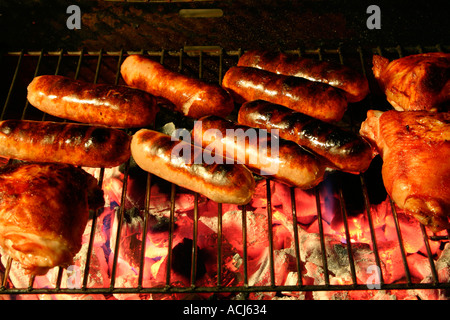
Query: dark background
113	25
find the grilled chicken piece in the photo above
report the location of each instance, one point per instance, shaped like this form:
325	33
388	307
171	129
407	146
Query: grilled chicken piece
416	82
415	147
44	209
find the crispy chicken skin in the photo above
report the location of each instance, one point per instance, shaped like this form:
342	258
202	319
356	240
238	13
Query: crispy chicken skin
415	147
415	82
44	209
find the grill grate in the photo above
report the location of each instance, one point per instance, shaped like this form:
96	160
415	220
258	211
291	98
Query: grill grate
208	63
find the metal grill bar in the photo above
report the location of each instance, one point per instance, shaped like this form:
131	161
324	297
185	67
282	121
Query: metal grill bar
172	223
322	237
145	229
194	255
120	217
270	234
372	229
36	73
296	240
244	240
92	236
430	256
222	58
347	236
400	240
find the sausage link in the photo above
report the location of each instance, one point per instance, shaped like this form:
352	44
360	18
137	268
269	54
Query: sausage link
313	98
159	154
76	144
264	154
102	104
192	97
344	150
354	84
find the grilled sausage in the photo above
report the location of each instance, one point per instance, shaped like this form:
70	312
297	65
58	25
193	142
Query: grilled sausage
192	97
313	98
263	153
354	84
102	104
344	150
76	144
178	162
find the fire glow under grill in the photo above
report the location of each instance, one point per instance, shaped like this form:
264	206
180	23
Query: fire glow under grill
340	240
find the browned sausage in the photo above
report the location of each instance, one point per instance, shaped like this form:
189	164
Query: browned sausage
190	96
76	144
103	104
313	98
261	152
354	84
345	150
159	154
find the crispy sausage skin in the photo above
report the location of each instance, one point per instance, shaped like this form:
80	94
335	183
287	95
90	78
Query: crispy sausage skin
102	104
354	84
344	150
266	155
192	97
313	98
76	144
159	154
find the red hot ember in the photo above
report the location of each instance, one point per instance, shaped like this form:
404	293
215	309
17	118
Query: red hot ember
269	246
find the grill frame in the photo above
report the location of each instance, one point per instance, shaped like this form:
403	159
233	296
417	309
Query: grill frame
219	55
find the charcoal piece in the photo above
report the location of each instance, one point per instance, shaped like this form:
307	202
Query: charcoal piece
182	259
160	224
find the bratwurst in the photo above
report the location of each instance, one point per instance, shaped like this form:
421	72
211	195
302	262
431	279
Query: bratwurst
316	99
264	153
344	150
190	96
353	83
101	104
76	144
176	162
